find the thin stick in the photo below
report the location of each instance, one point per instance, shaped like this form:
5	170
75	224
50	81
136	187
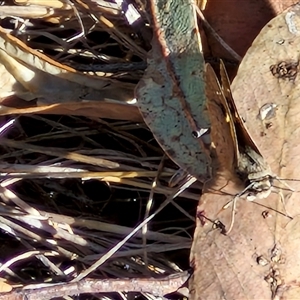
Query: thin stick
154	286
217	37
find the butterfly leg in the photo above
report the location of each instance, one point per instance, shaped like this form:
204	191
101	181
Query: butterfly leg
283	203
285	184
234	201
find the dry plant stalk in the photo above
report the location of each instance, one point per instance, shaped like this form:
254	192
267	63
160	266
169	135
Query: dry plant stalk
157	287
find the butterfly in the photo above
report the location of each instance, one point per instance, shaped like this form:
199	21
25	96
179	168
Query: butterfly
241	156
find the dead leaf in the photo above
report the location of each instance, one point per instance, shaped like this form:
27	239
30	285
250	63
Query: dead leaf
104	109
239	24
55	12
171	95
4	286
257	90
51	3
259	259
30	74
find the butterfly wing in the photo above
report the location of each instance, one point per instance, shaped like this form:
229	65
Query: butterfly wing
241	131
223	135
250	161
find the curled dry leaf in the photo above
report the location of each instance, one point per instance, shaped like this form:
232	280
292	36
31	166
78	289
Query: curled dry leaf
48	3
171	95
4	286
29	74
105	109
54	12
260	257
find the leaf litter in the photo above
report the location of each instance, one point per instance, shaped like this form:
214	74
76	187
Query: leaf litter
264	237
33	159
72	187
55	210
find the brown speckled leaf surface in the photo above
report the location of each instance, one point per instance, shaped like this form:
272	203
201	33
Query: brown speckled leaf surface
260	258
238	22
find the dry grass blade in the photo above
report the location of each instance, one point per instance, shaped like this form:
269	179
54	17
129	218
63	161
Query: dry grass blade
80	48
37	11
112	29
40	76
111	252
109	110
111	228
47	3
60	153
25	256
74	184
72	227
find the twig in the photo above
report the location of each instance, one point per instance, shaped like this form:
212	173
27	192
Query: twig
217	37
154	286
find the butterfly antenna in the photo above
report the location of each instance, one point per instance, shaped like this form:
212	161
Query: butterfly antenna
284	183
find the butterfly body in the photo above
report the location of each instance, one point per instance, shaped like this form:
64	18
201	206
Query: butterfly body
252	168
248	163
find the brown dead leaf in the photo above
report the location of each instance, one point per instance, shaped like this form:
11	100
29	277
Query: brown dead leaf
29	74
103	109
4	286
260	257
257	86
239	24
227	265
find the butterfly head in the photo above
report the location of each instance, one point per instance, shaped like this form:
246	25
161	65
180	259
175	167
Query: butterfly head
259	188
